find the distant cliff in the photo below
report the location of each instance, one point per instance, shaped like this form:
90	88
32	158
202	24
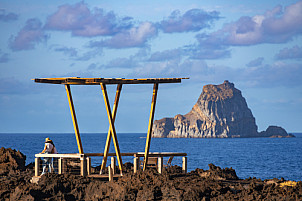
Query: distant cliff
220	112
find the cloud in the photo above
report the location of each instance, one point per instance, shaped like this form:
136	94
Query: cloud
166	55
275	26
134	37
73	53
193	20
69	51
4	57
202	52
290	53
81	21
11	85
131	62
255	62
121	63
30	35
7	17
169	68
277	74
268	76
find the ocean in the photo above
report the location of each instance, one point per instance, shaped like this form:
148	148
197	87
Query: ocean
263	158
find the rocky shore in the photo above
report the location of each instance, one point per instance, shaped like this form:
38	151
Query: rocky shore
213	184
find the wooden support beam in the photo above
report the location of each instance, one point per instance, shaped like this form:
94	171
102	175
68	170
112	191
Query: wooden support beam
160	165
113	164
88	165
97	81
83	166
184	164
109	135
60	165
74	119
152	111
135	164
37	166
110	173
112	127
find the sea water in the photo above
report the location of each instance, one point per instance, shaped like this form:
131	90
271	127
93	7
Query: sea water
263	158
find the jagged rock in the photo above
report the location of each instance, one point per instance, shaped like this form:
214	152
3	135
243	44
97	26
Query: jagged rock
11	161
220	112
213	184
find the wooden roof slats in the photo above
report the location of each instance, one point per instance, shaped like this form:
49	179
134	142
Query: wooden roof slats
97	81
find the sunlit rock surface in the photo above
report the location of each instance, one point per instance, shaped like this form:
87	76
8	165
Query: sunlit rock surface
220	112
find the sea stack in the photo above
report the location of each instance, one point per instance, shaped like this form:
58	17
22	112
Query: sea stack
220	112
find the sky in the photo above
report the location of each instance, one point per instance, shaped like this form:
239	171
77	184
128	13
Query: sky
257	45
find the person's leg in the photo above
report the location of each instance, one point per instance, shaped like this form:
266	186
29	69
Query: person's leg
44	165
49	165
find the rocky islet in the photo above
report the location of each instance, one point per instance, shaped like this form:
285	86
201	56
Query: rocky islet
220	112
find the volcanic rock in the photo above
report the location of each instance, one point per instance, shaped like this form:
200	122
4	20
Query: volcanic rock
213	184
11	161
220	112
275	132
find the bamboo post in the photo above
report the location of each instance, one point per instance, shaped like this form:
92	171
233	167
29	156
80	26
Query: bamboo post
152	111
112	127
83	166
113	164
109	135
160	165
88	165
110	173
135	164
61	165
37	166
184	164
74	119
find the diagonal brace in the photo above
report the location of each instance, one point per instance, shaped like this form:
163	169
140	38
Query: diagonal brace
74	119
109	135
112	127
151	118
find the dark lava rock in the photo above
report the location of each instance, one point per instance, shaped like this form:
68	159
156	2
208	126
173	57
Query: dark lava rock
213	184
11	161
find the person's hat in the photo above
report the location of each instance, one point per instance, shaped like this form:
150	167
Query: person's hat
47	140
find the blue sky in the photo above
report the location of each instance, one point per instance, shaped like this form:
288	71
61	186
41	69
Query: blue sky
257	45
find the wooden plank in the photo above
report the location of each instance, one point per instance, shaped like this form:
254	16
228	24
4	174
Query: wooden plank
139	154
116	101
110	154
151	118
98	81
161	154
112	127
74	119
58	155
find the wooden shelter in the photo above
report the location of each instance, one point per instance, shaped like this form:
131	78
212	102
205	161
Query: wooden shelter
110	113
